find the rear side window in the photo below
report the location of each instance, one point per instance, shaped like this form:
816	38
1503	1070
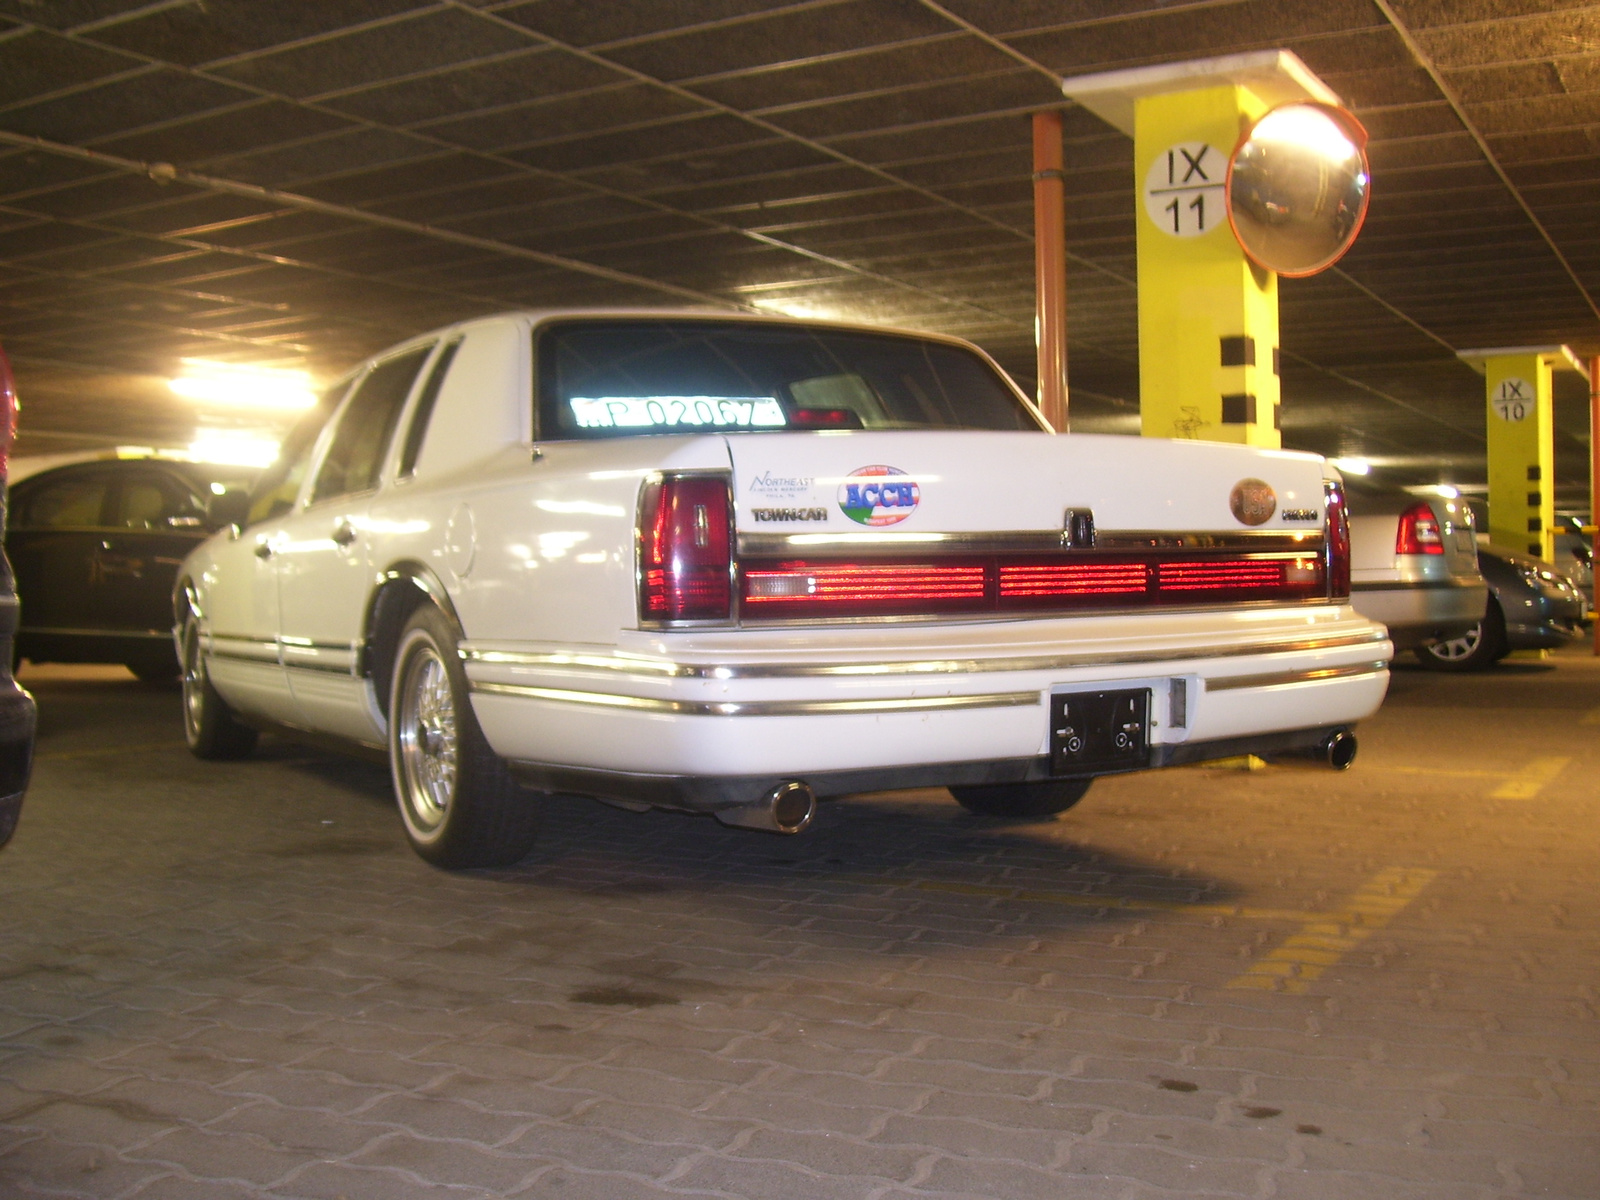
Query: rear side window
76	502
424	410
365	427
623	378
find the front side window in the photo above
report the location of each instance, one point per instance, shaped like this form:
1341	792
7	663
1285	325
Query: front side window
365	427
601	379
147	503
274	491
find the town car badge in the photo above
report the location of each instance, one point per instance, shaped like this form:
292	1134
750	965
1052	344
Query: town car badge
879	495
1253	501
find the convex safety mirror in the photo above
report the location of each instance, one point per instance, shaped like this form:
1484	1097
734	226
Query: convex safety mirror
1297	187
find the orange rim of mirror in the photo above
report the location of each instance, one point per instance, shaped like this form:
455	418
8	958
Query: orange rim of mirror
1357	133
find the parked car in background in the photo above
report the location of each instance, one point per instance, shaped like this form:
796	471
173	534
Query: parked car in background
1531	606
731	565
1575	554
96	546
17	716
1414	565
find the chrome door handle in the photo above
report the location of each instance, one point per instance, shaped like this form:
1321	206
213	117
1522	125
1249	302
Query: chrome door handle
344	533
264	550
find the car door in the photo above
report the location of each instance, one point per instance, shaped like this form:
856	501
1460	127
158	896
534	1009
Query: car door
56	524
239	604
323	573
155	520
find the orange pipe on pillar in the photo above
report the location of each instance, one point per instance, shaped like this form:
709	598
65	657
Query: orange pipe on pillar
1594	480
1050	267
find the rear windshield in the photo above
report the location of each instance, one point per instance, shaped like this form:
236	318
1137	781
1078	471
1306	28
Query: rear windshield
625	378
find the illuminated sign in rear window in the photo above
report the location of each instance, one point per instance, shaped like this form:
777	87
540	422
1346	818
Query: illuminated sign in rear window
677	412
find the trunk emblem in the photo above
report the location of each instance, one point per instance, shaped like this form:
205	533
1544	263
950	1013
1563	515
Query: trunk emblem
879	495
1253	501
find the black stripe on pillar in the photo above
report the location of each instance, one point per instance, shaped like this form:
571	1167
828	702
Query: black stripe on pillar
1239	408
1238	352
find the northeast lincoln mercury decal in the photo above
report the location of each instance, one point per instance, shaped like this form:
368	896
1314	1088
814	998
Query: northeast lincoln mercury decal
788	488
1253	501
879	495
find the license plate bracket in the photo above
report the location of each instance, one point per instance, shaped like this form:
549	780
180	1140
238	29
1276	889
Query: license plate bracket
1093	732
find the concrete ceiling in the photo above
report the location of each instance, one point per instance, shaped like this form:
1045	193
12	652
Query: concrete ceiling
298	183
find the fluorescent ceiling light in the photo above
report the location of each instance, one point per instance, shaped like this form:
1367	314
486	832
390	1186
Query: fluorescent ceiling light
234	448
226	385
803	309
1352	466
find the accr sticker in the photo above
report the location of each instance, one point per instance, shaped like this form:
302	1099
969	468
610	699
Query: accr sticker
879	495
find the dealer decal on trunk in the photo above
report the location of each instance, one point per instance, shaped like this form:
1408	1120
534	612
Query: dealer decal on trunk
879	495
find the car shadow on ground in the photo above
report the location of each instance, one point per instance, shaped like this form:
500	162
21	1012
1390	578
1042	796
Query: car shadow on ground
919	840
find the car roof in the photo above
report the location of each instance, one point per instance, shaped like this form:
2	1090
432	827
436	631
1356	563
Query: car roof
196	474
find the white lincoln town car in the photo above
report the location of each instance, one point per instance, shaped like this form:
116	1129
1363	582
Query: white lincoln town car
731	565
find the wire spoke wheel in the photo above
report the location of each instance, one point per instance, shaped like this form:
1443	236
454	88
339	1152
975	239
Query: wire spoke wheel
459	804
428	739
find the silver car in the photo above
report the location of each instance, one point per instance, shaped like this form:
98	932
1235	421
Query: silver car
1414	566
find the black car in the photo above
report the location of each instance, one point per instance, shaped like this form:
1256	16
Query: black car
96	547
1532	606
17	718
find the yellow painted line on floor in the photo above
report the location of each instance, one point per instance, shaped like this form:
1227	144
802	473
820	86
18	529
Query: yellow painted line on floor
1441	772
1530	781
1326	938
1082	899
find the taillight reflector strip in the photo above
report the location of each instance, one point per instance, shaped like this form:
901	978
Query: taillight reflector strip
1219	576
794	589
891	586
1073	579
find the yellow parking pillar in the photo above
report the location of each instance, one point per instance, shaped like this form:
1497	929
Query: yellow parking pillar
1208	317
1521	443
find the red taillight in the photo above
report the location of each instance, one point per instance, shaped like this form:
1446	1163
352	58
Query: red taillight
1336	537
8	412
685	549
1419	531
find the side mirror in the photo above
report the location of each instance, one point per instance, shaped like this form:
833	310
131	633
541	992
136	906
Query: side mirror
230	508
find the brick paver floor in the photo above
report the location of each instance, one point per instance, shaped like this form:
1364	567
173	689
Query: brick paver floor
235	980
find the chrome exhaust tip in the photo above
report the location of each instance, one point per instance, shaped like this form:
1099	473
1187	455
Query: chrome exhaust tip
787	808
1339	749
